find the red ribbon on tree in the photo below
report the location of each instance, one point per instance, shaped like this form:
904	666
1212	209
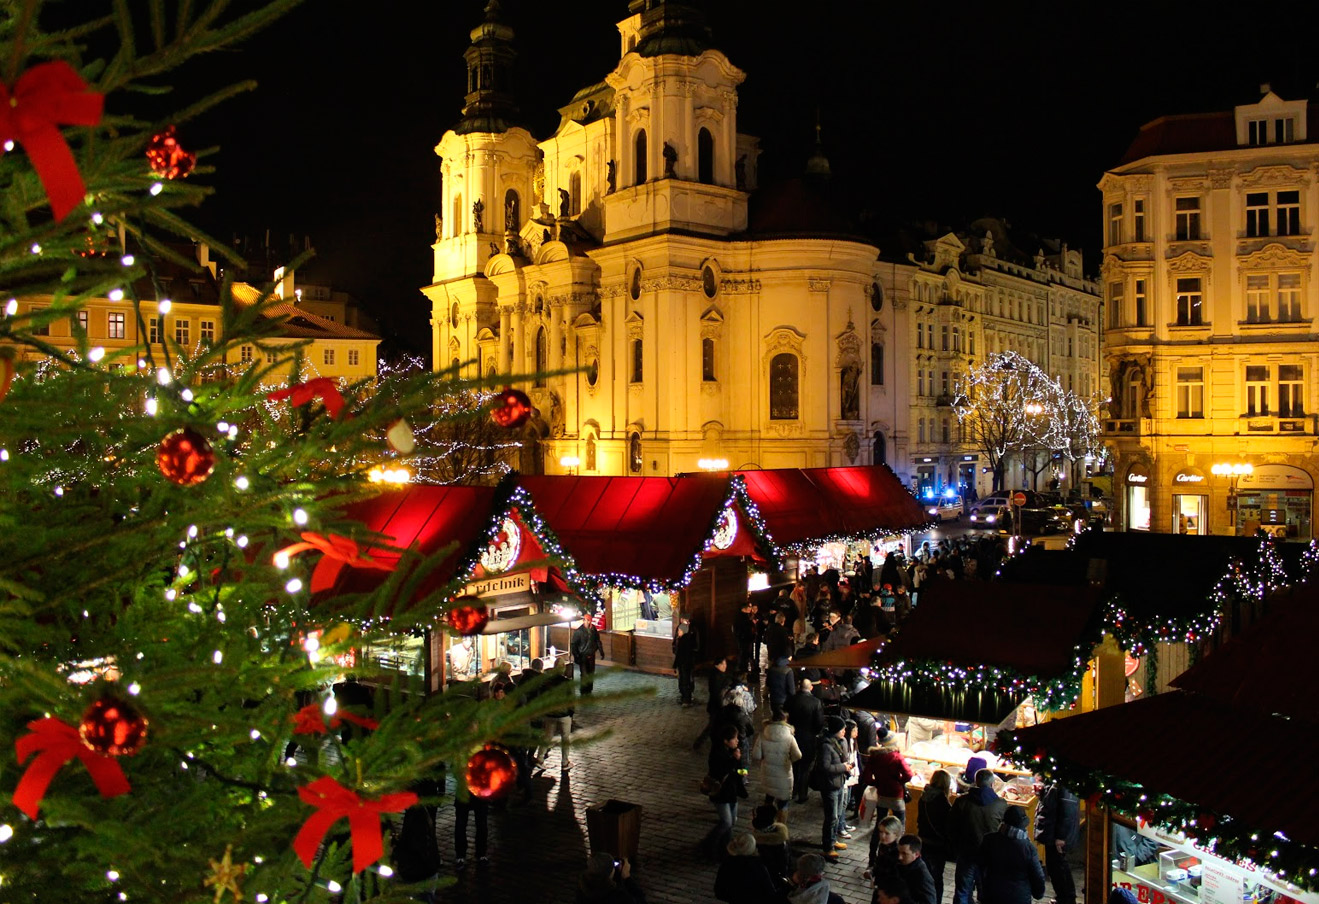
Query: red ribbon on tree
311	720
334	802
339	552
45	97
55	743
322	388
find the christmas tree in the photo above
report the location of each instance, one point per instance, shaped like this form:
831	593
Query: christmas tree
170	728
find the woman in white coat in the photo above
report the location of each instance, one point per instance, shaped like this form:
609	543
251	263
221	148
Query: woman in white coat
776	750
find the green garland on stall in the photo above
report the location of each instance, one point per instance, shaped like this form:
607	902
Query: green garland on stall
1217	832
1049	694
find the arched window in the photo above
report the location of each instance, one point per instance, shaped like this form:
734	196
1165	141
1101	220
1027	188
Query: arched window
634	453
542	355
575	192
707	360
705	157
638	370
876	364
512	211
879	450
783	392
590	452
640	160
457	218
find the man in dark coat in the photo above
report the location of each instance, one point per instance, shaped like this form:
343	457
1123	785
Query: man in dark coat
584	646
744	635
1058	830
716	681
685	647
975	814
832	768
914	872
743	877
806	716
779	682
778	639
1010	871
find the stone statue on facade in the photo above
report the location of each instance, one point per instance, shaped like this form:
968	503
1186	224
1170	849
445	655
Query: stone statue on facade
512	244
850	387
611	178
670	160
478	209
987	246
565	202
439	227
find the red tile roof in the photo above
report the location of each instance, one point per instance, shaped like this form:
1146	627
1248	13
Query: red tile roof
1195	132
298	323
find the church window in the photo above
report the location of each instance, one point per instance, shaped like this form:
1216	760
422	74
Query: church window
634	453
705	157
637	361
707	360
783	387
876	364
542	355
876	297
709	282
453	315
455	364
512	211
593	372
640	164
634	289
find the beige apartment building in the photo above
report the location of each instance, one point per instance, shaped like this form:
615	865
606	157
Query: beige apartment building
1210	341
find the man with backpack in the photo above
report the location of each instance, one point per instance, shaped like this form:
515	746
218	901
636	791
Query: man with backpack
828	775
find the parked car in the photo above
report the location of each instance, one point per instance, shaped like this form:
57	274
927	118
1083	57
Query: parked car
946	508
1047	519
997	517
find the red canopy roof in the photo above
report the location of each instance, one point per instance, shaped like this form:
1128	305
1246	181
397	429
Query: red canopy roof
1166	743
636	531
804	507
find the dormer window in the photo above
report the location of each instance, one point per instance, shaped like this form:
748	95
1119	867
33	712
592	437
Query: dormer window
1281	130
1271	121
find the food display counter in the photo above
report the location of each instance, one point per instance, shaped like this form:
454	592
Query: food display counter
926	757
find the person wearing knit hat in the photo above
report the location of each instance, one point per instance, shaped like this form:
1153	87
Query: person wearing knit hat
743	877
830	778
771	835
809	884
1007	864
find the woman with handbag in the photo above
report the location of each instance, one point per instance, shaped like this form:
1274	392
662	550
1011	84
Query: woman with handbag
888	773
727	785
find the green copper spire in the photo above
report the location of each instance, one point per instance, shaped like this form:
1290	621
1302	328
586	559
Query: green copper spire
671	26
489	105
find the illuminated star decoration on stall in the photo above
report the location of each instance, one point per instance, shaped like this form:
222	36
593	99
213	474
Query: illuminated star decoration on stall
226	876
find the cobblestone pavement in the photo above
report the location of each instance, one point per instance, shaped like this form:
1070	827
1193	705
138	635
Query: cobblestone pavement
537	851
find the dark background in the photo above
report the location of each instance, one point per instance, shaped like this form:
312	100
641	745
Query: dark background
942	112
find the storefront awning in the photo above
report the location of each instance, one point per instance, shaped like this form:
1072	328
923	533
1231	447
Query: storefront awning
805	507
639	531
855	656
1007	640
522	622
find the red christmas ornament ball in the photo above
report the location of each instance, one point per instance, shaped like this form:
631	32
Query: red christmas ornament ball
467	615
113	727
167	158
185	457
491	772
512	408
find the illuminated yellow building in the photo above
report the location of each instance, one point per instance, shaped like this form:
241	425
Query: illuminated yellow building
191	319
699	319
1209	281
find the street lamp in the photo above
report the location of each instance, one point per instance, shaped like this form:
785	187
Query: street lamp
1234	471
713	464
570	463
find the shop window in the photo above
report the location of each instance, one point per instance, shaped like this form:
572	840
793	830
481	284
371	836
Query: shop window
783	388
639	147
1138	508
705	157
634	462
1190	392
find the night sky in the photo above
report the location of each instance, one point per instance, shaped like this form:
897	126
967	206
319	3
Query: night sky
940	112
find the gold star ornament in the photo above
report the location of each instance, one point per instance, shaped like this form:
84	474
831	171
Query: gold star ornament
226	877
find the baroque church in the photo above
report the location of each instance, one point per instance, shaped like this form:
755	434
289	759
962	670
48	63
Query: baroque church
677	313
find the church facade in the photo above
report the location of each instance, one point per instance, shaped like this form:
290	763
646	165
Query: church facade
672	319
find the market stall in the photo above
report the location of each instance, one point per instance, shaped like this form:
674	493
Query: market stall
830	517
975	658
486	545
660	548
1174	823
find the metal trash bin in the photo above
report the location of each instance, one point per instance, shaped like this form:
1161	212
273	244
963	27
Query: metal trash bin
614	826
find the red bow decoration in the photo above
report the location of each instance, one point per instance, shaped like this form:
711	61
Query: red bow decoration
339	552
332	802
46	96
322	388
311	720
55	743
